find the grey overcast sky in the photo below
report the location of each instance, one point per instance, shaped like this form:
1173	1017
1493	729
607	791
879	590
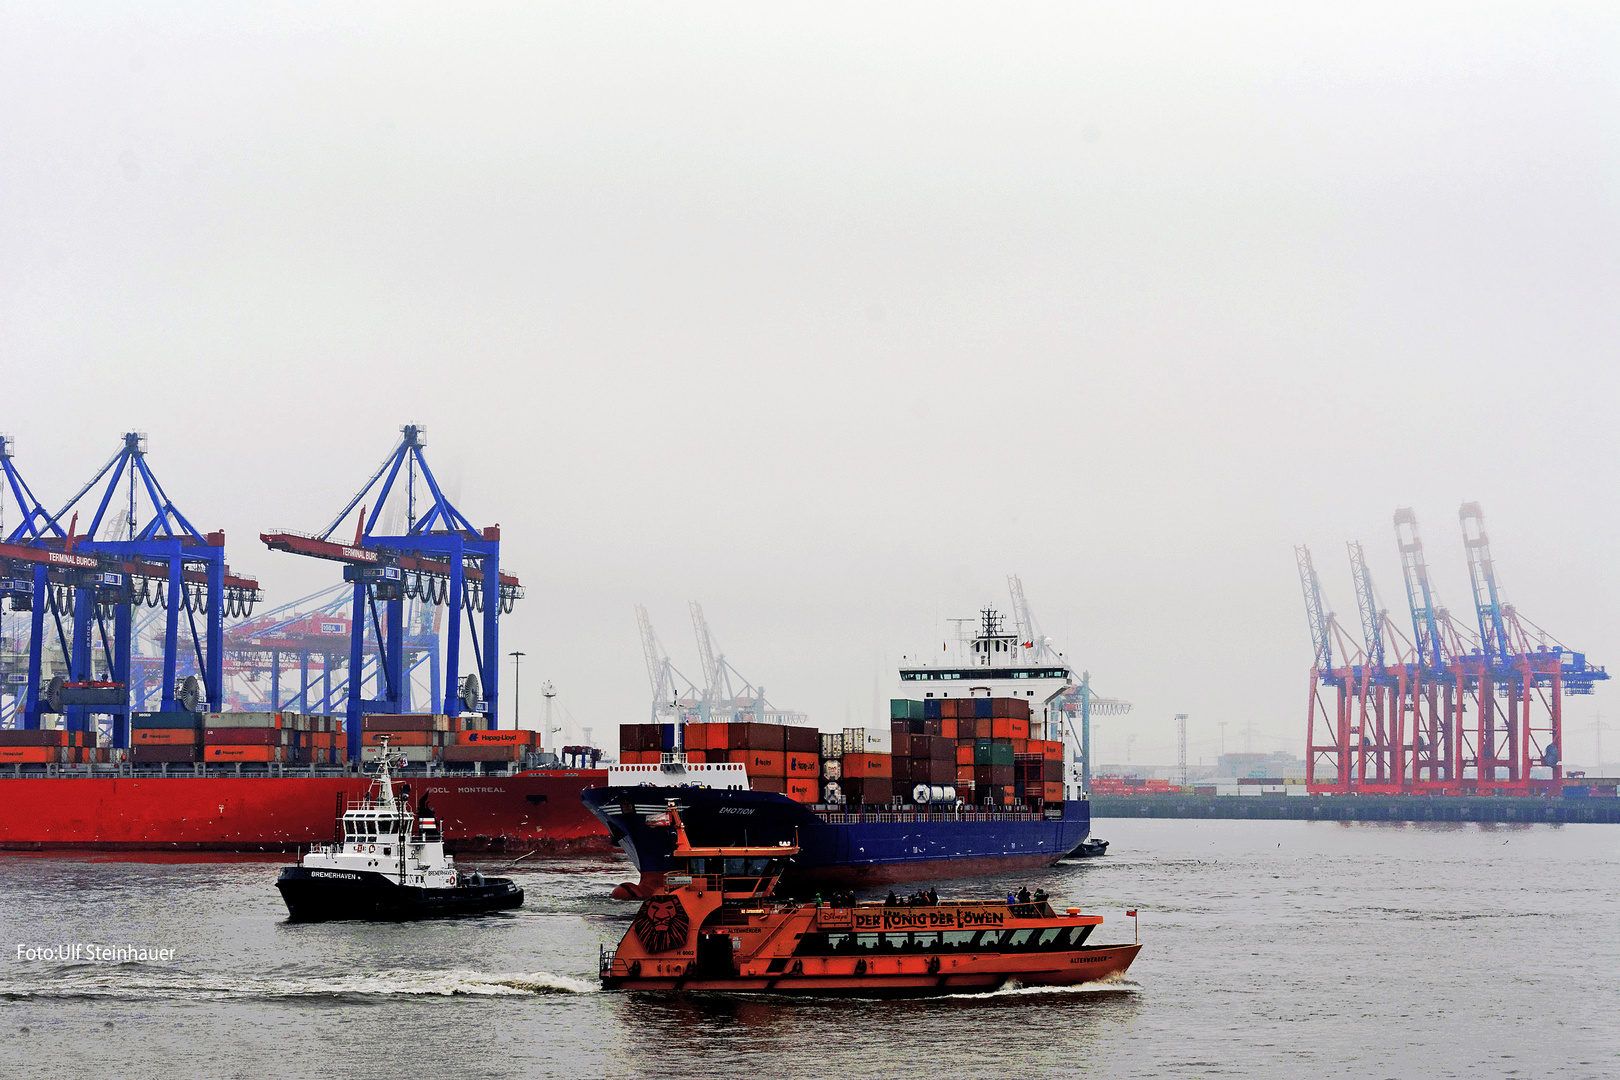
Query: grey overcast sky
831	316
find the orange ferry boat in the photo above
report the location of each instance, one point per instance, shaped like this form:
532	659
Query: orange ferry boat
720	930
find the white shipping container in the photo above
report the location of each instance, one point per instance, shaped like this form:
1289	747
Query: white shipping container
416	755
240	720
1297	789
868	741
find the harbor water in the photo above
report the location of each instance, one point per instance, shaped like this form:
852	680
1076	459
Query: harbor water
1272	948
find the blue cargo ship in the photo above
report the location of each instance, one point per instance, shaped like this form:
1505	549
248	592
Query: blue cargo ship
858	847
993	691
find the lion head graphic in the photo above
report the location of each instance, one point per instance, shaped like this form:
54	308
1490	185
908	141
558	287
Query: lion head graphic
661	924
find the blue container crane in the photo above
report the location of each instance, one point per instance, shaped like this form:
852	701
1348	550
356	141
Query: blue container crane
440	558
164	563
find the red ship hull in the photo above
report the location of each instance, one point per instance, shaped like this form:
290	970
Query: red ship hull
538	811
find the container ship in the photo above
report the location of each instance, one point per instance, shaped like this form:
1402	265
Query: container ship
248	782
970	777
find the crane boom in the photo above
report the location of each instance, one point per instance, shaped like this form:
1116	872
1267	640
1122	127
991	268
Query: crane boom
1372	629
1493	634
650	649
1321	635
1419	595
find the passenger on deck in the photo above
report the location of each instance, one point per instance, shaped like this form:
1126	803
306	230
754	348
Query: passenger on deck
891	900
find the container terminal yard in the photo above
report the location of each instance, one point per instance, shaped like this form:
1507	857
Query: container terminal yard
119	569
1457	722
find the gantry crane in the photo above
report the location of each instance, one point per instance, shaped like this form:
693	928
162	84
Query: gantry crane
726	695
103	573
439	559
1459	709
674	696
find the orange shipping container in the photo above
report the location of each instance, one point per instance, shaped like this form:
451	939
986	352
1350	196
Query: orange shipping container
947	727
1020	727
30	755
509	737
1020	746
695	737
777	784
964	753
800	789
860	766
1054	750
697	757
804	765
766	763
163	737
242	753
1001	727
1052	792
964	775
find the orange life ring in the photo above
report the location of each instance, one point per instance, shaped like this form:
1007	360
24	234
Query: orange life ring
371	847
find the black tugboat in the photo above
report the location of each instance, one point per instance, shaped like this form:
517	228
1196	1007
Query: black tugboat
391	865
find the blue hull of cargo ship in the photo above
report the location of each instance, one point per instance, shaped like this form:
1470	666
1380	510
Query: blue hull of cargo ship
855	849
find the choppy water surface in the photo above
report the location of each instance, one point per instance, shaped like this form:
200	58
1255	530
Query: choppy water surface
1284	948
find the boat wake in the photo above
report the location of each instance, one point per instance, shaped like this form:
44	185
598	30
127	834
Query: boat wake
1111	984
377	985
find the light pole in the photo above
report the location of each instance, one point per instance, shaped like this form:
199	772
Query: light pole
517	688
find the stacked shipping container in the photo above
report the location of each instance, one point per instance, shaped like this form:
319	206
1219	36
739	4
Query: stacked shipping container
779	758
980	746
438	738
49	747
266	738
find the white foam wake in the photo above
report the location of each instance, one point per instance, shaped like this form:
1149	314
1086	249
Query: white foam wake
392	983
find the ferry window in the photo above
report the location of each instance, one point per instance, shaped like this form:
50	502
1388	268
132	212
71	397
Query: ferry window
1017	939
734	866
836	943
959	939
867	941
1049	937
927	939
